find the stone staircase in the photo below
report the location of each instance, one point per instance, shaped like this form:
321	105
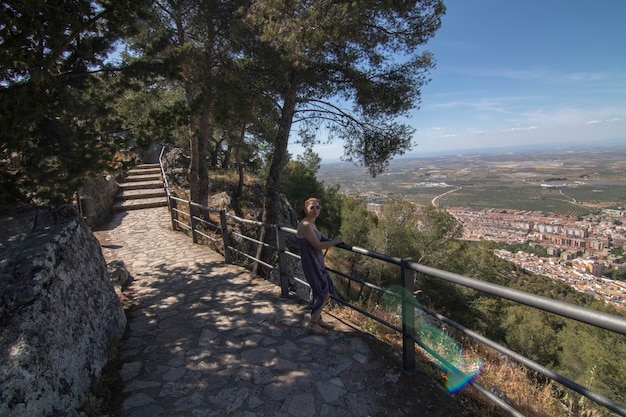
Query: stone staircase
142	188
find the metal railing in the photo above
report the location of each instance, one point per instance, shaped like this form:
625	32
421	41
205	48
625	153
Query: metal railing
196	219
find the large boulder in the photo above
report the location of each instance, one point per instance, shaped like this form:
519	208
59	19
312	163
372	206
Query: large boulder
59	314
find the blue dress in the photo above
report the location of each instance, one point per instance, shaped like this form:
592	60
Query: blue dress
315	273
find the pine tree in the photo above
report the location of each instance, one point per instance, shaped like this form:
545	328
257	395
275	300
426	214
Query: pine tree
56	124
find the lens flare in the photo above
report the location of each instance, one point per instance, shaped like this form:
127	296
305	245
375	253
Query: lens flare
448	356
446	351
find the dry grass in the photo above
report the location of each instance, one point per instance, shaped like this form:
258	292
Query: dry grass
511	381
230	176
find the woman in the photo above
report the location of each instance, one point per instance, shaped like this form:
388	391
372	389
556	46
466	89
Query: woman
311	243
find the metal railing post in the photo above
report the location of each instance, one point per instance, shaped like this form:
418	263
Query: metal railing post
174	214
192	223
408	316
173	207
280	244
171	203
225	238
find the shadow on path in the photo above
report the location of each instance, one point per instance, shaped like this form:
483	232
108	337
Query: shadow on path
209	339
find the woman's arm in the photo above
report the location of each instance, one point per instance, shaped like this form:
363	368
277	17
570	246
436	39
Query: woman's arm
308	232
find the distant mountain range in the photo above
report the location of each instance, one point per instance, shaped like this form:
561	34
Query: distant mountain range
535	147
604	145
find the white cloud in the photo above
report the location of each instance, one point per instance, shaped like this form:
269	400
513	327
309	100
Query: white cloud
515	129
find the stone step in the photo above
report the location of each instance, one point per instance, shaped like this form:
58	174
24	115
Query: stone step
128	194
140	185
143	203
145	171
141	178
142	188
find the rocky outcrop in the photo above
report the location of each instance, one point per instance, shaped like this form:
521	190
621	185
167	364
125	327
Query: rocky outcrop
59	314
175	164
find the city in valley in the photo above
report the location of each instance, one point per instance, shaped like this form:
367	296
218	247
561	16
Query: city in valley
572	203
578	249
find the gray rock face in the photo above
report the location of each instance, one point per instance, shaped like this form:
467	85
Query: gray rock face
175	164
102	190
59	313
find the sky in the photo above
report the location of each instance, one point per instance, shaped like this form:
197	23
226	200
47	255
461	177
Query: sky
531	72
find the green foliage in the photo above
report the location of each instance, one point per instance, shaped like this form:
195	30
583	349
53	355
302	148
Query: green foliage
194	49
428	237
356	224
151	111
487	312
299	184
331	221
356	221
594	358
397	229
438	231
395	233
619	274
524	247
311	160
530	332
615	273
55	115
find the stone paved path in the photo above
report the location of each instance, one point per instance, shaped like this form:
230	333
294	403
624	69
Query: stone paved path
208	339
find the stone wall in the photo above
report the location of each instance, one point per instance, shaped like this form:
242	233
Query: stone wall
102	191
59	314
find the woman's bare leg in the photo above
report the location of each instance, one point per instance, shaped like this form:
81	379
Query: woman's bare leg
315	315
316	318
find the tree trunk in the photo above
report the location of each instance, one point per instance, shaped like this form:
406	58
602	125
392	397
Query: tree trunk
214	153
271	202
198	173
226	155
238	160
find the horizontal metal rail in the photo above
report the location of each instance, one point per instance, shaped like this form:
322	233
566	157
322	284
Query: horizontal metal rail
496	400
250	239
252	258
209	226
209	237
367	284
182	224
248	221
300	280
586	315
293	255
